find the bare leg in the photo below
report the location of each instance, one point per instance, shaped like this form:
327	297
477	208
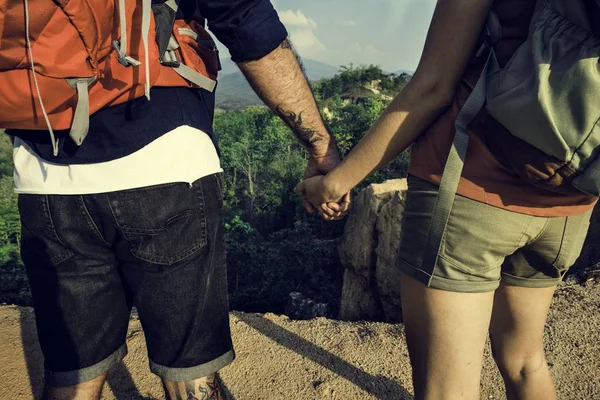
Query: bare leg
446	334
207	388
90	390
516	332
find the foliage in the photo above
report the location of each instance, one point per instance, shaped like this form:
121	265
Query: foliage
262	164
263	270
353	80
13	282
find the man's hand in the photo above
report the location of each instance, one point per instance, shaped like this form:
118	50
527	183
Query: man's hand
320	194
320	164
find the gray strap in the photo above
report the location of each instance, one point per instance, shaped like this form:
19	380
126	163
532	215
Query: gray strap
173	4
35	81
81	119
454	166
123	25
146	12
122	46
186	72
195	77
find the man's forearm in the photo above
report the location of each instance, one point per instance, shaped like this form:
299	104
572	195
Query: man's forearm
279	81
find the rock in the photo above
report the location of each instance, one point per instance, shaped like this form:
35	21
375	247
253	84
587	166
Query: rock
302	308
368	251
387	275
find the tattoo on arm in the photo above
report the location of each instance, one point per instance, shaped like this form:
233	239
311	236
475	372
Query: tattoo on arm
306	135
279	80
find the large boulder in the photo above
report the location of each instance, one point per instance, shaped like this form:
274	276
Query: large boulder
368	252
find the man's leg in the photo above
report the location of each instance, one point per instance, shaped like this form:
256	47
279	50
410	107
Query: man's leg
207	388
446	334
516	332
83	391
173	258
81	307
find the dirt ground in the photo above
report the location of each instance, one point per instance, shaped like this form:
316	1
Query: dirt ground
320	359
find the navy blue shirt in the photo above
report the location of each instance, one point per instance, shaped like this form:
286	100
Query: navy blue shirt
250	29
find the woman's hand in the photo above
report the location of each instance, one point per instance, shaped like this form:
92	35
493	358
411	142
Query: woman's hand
322	194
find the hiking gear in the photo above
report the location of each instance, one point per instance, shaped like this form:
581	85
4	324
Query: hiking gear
57	64
547	96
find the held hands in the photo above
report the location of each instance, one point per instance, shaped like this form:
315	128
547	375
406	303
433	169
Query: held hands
321	161
320	196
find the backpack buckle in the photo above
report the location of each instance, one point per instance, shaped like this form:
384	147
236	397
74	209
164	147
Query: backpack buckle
170	59
124	59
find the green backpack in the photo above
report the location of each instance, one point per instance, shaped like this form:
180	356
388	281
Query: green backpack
547	99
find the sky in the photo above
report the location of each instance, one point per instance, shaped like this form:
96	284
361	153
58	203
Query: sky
388	33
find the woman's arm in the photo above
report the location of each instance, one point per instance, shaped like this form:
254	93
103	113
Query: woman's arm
452	36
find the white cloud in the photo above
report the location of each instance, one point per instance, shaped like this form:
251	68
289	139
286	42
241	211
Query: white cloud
302	30
307	43
296	19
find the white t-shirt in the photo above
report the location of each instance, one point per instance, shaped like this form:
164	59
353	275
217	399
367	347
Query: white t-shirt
184	154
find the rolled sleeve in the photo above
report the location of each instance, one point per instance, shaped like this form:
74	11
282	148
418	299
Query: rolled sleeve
250	29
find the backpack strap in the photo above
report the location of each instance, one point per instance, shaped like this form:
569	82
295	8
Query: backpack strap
456	158
146	18
81	118
53	139
164	19
121	47
186	72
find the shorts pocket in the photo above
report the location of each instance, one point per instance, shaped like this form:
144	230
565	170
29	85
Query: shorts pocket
40	243
574	235
163	224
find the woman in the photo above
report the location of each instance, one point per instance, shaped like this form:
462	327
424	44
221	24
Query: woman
507	244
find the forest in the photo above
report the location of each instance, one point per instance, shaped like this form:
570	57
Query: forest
274	246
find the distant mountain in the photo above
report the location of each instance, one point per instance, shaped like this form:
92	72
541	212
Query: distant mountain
234	92
316	70
228	67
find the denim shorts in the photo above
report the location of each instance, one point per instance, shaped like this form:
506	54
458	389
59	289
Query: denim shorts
90	258
484	245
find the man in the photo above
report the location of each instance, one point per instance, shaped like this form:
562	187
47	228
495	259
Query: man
133	216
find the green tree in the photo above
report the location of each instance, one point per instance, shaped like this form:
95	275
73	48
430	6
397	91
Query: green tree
262	163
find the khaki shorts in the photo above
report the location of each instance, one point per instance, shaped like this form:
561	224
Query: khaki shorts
484	244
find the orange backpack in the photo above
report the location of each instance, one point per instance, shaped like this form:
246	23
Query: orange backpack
63	60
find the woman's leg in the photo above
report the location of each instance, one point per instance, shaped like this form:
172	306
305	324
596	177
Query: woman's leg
446	334
516	331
